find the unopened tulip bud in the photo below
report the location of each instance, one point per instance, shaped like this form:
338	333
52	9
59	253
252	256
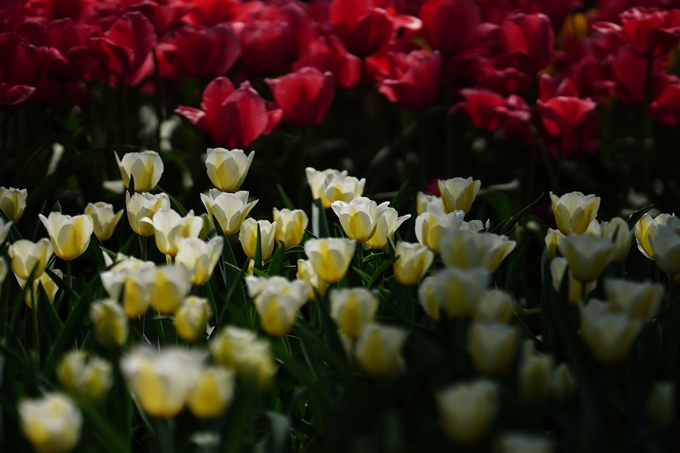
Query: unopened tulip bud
387	224
248	237
89	379
13	202
661	404
522	443
305	272
413	262
624	237
230	209
564	384
146	169
535	375
212	394
52	424
4	229
492	347
428	299
316	179
666	250
378	350
647	228
142	205
494	306
358	217
467	250
70	236
104	219
458	193
588	255
132	285
424	203
48	285
255	365
638	300
609	334
167	287
200	258
352	309
558	267
457	291
228	169
110	324
430	227
30	257
191	318
277	301
69	371
168	226
467	410
290	226
552	241
574	211
226	344
336	188
330	257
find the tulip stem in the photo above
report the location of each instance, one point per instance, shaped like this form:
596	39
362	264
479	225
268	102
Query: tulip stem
36	336
164	435
448	130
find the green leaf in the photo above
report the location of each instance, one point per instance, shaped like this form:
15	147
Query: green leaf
377	274
258	249
510	225
399	196
286	201
13	232
516	265
500	204
67	334
637	215
276	262
319	220
106	435
56	207
177	206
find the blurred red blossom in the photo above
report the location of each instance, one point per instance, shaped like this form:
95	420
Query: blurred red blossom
652	32
304	95
415	79
363	27
327	53
448	25
205	53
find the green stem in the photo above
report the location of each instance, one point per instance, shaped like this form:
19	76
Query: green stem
69	282
36	335
165	436
450	161
643	153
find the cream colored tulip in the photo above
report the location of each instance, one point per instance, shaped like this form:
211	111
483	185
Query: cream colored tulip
89	379
467	410
133	286
588	255
387	224
352	309
427	203
277	301
316	179
168	225
430	227
3	270
306	273
661	405
228	169
167	287
624	237
467	250
30	257
124	262
492	347
230	209
574	211
638	300
110	324
495	306
428	298
248	237
228	343
413	262
458	194
13	202
52	424
212	394
161	380
552	241
146	168
358	217
330	257
104	218
48	285
70	236
191	318
666	250
458	291
290	226
199	257
647	228
534	375
576	293
378	350
142	205
563	383
522	443
609	334
4	229
337	188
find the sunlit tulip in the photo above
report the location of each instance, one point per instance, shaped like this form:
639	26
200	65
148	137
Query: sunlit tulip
341	188
192	317
70	236
13	202
425	203
457	291
495	306
306	272
168	225
661	404
212	394
30	257
534	375
430	227
358	217
133	286
609	334
492	347
104	218
161	380
228	169
48	285
413	262
317	178
290	226
564	384
248	237
167	286
467	410
110	324
428	299
522	443
552	240
4	229
467	250
387	224
666	250
576	292
145	168
588	255
638	300
378	350
330	257
277	301
352	309
199	257
124	262
230	209
51	424
647	228
574	211
142	205
89	379
624	237
458	193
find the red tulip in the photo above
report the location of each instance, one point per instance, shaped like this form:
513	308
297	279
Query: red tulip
363	28
304	95
562	114
267	46
448	25
549	87
666	107
212	12
529	38
327	53
23	67
232	117
417	79
651	32
62	9
629	69
206	53
505	81
163	14
493	112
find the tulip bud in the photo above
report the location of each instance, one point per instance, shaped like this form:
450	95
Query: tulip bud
3	270
428	299
290	226
110	325
134	287
467	410
647	228
352	309
520	443
248	237
255	365
492	347
457	291
413	262
564	384
213	392
666	250
103	218
199	257
624	237
316	180
51	424
341	188
305	272
387	224
90	381
358	217
588	255
70	236
4	229
228	169
495	306
558	266
574	211
638	300
552	240
142	205
226	345
167	286
330	257
467	250
13	202
168	225
30	257
146	168
230	209
49	286
277	301
191	318
428	203
661	405
535	375
162	380
378	350
609	335
430	227
458	193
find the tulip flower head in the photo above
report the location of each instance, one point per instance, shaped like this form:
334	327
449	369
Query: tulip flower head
191	318
574	211
358	217
466	250
638	300
492	347
458	193
248	237
104	219
588	255
428	299
70	236
317	178
167	286
467	410
666	250
431	226
378	350
552	240
290	226
277	301
564	384
305	272
413	262
576	291
89	379
457	291
387	224
48	285
199	257
13	202
110	324
617	230
330	257
144	205
228	343
3	270
4	229
230	209
428	203
304	95
228	169
336	188
212	394
417	81
133	286
30	258
535	375
495	306
52	424
609	334
647	228
145	168
168	225
352	309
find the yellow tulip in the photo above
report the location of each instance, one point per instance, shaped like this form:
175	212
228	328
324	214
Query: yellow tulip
142	205
413	262
467	410
13	202
290	226
89	379
167	287
52	424
4	229
666	250
624	237
305	272
316	180
70	236
378	350
168	225
387	224
457	291
458	193
200	258
558	266
574	211
341	188
431	226
110	324
134	287
535	375
146	168
563	383
552	240
358	217
104	219
428	203
212	394
228	343
248	237
30	257
330	257
352	309
522	443
467	250
588	255
609	334
492	347
661	405
277	301
191	318
230	209
428	299
495	306
228	169
48	285
647	228
638	300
